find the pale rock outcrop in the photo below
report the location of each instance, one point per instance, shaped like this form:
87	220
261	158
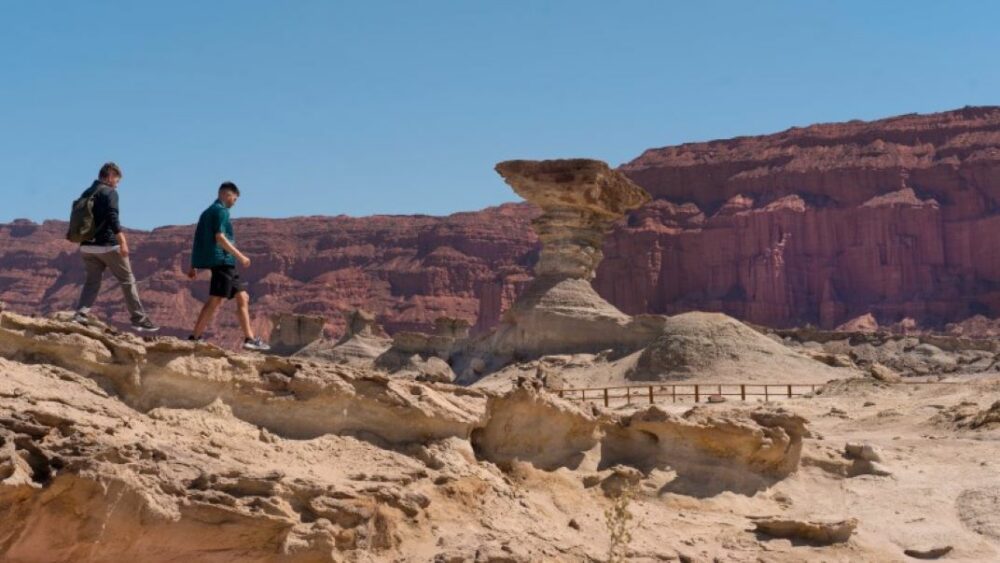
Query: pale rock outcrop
864	323
538	428
362	342
866	459
620	479
883	373
968	414
425	356
87	478
259	389
712	344
291	332
819	532
740	450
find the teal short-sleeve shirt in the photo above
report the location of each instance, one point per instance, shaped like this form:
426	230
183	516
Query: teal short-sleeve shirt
206	252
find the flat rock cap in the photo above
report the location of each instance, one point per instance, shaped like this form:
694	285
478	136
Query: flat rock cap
578	183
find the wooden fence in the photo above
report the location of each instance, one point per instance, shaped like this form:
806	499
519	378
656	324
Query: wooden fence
678	392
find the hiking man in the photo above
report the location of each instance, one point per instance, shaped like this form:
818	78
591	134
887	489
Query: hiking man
215	249
108	249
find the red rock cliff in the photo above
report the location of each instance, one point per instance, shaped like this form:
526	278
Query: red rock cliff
408	269
897	217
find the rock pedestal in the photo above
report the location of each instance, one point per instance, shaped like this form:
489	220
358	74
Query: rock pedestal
291	332
362	342
559	312
360	323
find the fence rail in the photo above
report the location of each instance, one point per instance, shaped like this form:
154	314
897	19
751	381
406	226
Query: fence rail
675	392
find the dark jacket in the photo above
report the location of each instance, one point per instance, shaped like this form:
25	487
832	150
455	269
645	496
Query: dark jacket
105	214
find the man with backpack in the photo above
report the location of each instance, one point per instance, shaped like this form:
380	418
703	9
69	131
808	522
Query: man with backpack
215	249
94	224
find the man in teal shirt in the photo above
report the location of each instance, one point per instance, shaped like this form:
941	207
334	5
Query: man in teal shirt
215	249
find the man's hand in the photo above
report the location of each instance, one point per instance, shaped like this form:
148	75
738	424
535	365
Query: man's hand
192	273
122	245
228	246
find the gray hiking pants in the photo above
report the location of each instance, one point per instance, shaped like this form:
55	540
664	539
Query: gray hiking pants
121	268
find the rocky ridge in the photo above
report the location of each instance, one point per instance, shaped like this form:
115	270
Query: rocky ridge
114	447
118	448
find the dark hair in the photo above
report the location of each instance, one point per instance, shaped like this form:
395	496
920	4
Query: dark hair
229	187
108	169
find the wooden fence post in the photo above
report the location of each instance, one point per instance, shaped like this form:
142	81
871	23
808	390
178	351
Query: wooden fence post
606	401
673	393
743	392
789	391
696	393
651	394
766	398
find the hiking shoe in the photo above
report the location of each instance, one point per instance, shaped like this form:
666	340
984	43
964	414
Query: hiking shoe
255	344
81	318
194	338
145	325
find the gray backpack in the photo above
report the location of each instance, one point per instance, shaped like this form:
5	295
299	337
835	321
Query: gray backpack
82	224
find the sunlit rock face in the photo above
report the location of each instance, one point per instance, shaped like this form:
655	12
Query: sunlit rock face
818	224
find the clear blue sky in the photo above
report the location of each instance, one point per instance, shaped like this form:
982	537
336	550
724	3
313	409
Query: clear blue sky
324	107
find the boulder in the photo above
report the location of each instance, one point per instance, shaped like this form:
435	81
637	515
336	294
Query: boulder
883	373
928	552
819	532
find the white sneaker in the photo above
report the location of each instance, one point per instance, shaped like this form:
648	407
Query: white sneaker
145	325
255	344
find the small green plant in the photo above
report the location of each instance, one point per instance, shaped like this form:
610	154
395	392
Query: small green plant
617	518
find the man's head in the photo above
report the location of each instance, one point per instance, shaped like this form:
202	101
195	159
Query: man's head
228	194
110	174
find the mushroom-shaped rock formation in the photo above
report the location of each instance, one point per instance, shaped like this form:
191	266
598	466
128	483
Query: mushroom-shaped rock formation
559	311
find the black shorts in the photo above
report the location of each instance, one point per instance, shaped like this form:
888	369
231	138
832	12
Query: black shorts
226	282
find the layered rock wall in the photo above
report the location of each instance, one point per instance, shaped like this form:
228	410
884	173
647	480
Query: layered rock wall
818	224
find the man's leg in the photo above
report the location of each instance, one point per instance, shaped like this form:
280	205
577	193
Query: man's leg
121	268
206	314
243	313
92	286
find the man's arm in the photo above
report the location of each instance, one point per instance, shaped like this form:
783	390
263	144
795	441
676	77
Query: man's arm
122	244
115	225
231	248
